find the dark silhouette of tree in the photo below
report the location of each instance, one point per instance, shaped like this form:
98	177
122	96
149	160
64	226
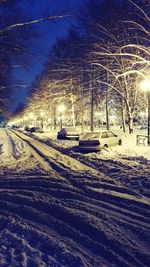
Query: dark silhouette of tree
17	33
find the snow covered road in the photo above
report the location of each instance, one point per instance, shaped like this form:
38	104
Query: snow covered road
70	214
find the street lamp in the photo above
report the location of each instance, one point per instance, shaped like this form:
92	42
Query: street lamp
61	108
145	85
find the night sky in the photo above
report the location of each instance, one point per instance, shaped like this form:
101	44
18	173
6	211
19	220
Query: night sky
50	32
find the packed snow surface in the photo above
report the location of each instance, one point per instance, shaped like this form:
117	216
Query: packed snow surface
61	208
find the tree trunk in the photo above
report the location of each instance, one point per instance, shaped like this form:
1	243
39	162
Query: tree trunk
123	118
107	112
72	108
54	118
92	110
130	122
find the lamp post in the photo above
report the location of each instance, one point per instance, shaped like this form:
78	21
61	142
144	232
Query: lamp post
145	85
31	117
42	114
61	109
71	91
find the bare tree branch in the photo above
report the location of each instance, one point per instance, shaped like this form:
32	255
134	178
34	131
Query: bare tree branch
31	22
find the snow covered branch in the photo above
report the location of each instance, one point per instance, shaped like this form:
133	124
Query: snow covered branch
8	28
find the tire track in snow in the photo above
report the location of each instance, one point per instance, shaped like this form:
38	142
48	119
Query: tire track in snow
126	171
60	162
73	221
65	191
7	147
55	158
36	209
87	230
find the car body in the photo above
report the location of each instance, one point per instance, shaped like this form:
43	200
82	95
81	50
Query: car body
68	134
33	129
143	127
95	141
15	127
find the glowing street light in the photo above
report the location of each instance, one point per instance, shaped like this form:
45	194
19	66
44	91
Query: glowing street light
145	86
142	113
61	108
42	113
25	118
31	115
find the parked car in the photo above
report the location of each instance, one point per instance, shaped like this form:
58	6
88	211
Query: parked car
33	129
143	127
95	141
68	134
15	127
27	128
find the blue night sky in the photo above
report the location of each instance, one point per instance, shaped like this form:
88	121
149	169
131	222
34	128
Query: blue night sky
50	32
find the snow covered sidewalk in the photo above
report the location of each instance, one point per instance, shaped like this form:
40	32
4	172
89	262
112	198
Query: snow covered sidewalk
12	149
6	151
73	221
128	149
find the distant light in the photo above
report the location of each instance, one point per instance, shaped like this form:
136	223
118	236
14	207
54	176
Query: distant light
31	116
61	108
142	113
42	113
145	85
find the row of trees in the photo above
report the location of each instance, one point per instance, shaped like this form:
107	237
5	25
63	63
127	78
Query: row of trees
99	65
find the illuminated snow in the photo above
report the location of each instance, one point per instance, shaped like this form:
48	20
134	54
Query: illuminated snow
73	219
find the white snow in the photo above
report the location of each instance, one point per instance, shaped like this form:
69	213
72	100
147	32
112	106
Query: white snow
85	210
129	148
6	153
12	148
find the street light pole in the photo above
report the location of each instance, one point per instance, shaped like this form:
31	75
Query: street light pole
42	119
61	120
145	85
61	109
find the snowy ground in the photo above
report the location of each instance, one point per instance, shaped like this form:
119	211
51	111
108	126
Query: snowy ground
61	208
128	148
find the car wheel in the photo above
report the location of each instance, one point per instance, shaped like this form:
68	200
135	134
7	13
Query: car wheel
105	146
120	142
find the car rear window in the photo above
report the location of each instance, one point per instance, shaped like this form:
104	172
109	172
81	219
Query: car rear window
104	135
89	136
71	131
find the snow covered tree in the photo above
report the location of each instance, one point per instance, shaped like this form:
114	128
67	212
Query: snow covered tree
127	55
